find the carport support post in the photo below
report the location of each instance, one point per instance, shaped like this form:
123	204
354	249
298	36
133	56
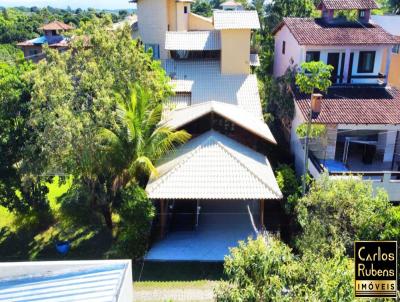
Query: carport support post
262	204
163	217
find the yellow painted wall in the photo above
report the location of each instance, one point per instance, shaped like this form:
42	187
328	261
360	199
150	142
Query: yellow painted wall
394	70
235	51
172	15
197	22
182	19
153	23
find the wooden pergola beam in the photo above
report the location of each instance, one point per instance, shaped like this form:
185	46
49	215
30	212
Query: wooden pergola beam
163	217
262	206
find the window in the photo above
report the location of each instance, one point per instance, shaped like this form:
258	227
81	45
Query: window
283	47
396	48
366	62
54	33
155	48
312	56
361	14
33	52
185	10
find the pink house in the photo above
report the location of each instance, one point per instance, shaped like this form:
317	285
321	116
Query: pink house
360	110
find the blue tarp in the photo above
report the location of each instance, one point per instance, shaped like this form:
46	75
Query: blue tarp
335	166
47	40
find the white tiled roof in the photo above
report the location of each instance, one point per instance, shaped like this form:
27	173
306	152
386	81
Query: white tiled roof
254	60
181	117
192	40
213	166
210	85
62	281
239	19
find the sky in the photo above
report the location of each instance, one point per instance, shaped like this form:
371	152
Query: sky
99	4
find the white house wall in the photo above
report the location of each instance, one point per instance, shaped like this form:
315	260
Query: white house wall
296	54
153	23
292	51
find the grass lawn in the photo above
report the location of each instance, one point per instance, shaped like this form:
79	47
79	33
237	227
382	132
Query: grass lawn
202	290
20	241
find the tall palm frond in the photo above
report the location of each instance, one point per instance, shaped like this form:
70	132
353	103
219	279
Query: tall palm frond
138	140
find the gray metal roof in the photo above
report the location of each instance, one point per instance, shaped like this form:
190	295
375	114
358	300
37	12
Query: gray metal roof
192	40
62	281
213	166
239	19
390	23
206	83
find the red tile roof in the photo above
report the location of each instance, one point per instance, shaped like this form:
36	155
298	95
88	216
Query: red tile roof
308	31
56	25
349	4
355	105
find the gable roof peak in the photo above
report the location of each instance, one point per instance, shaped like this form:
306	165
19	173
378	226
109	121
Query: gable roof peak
347	4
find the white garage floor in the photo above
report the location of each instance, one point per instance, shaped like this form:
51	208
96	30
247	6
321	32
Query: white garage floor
210	242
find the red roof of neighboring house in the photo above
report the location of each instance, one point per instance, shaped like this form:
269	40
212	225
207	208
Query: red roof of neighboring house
308	31
348	4
355	105
56	25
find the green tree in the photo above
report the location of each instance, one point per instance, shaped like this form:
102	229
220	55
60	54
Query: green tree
202	7
20	190
259	270
136	214
73	97
314	75
336	212
137	140
287	180
394	6
267	270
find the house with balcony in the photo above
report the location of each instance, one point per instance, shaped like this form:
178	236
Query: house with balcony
360	110
216	189
53	36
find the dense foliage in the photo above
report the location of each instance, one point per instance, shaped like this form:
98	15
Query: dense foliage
19	24
136	213
267	270
19	190
89	121
337	212
314	76
332	215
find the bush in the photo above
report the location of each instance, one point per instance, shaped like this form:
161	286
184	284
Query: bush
339	211
287	180
258	271
266	270
136	214
75	207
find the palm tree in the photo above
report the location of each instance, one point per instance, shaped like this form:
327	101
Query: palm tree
137	140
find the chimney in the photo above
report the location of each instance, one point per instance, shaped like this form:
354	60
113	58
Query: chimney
326	14
364	15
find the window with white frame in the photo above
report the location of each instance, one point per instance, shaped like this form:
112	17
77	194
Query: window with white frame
366	62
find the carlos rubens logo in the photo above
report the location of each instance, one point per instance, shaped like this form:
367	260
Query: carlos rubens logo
375	269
